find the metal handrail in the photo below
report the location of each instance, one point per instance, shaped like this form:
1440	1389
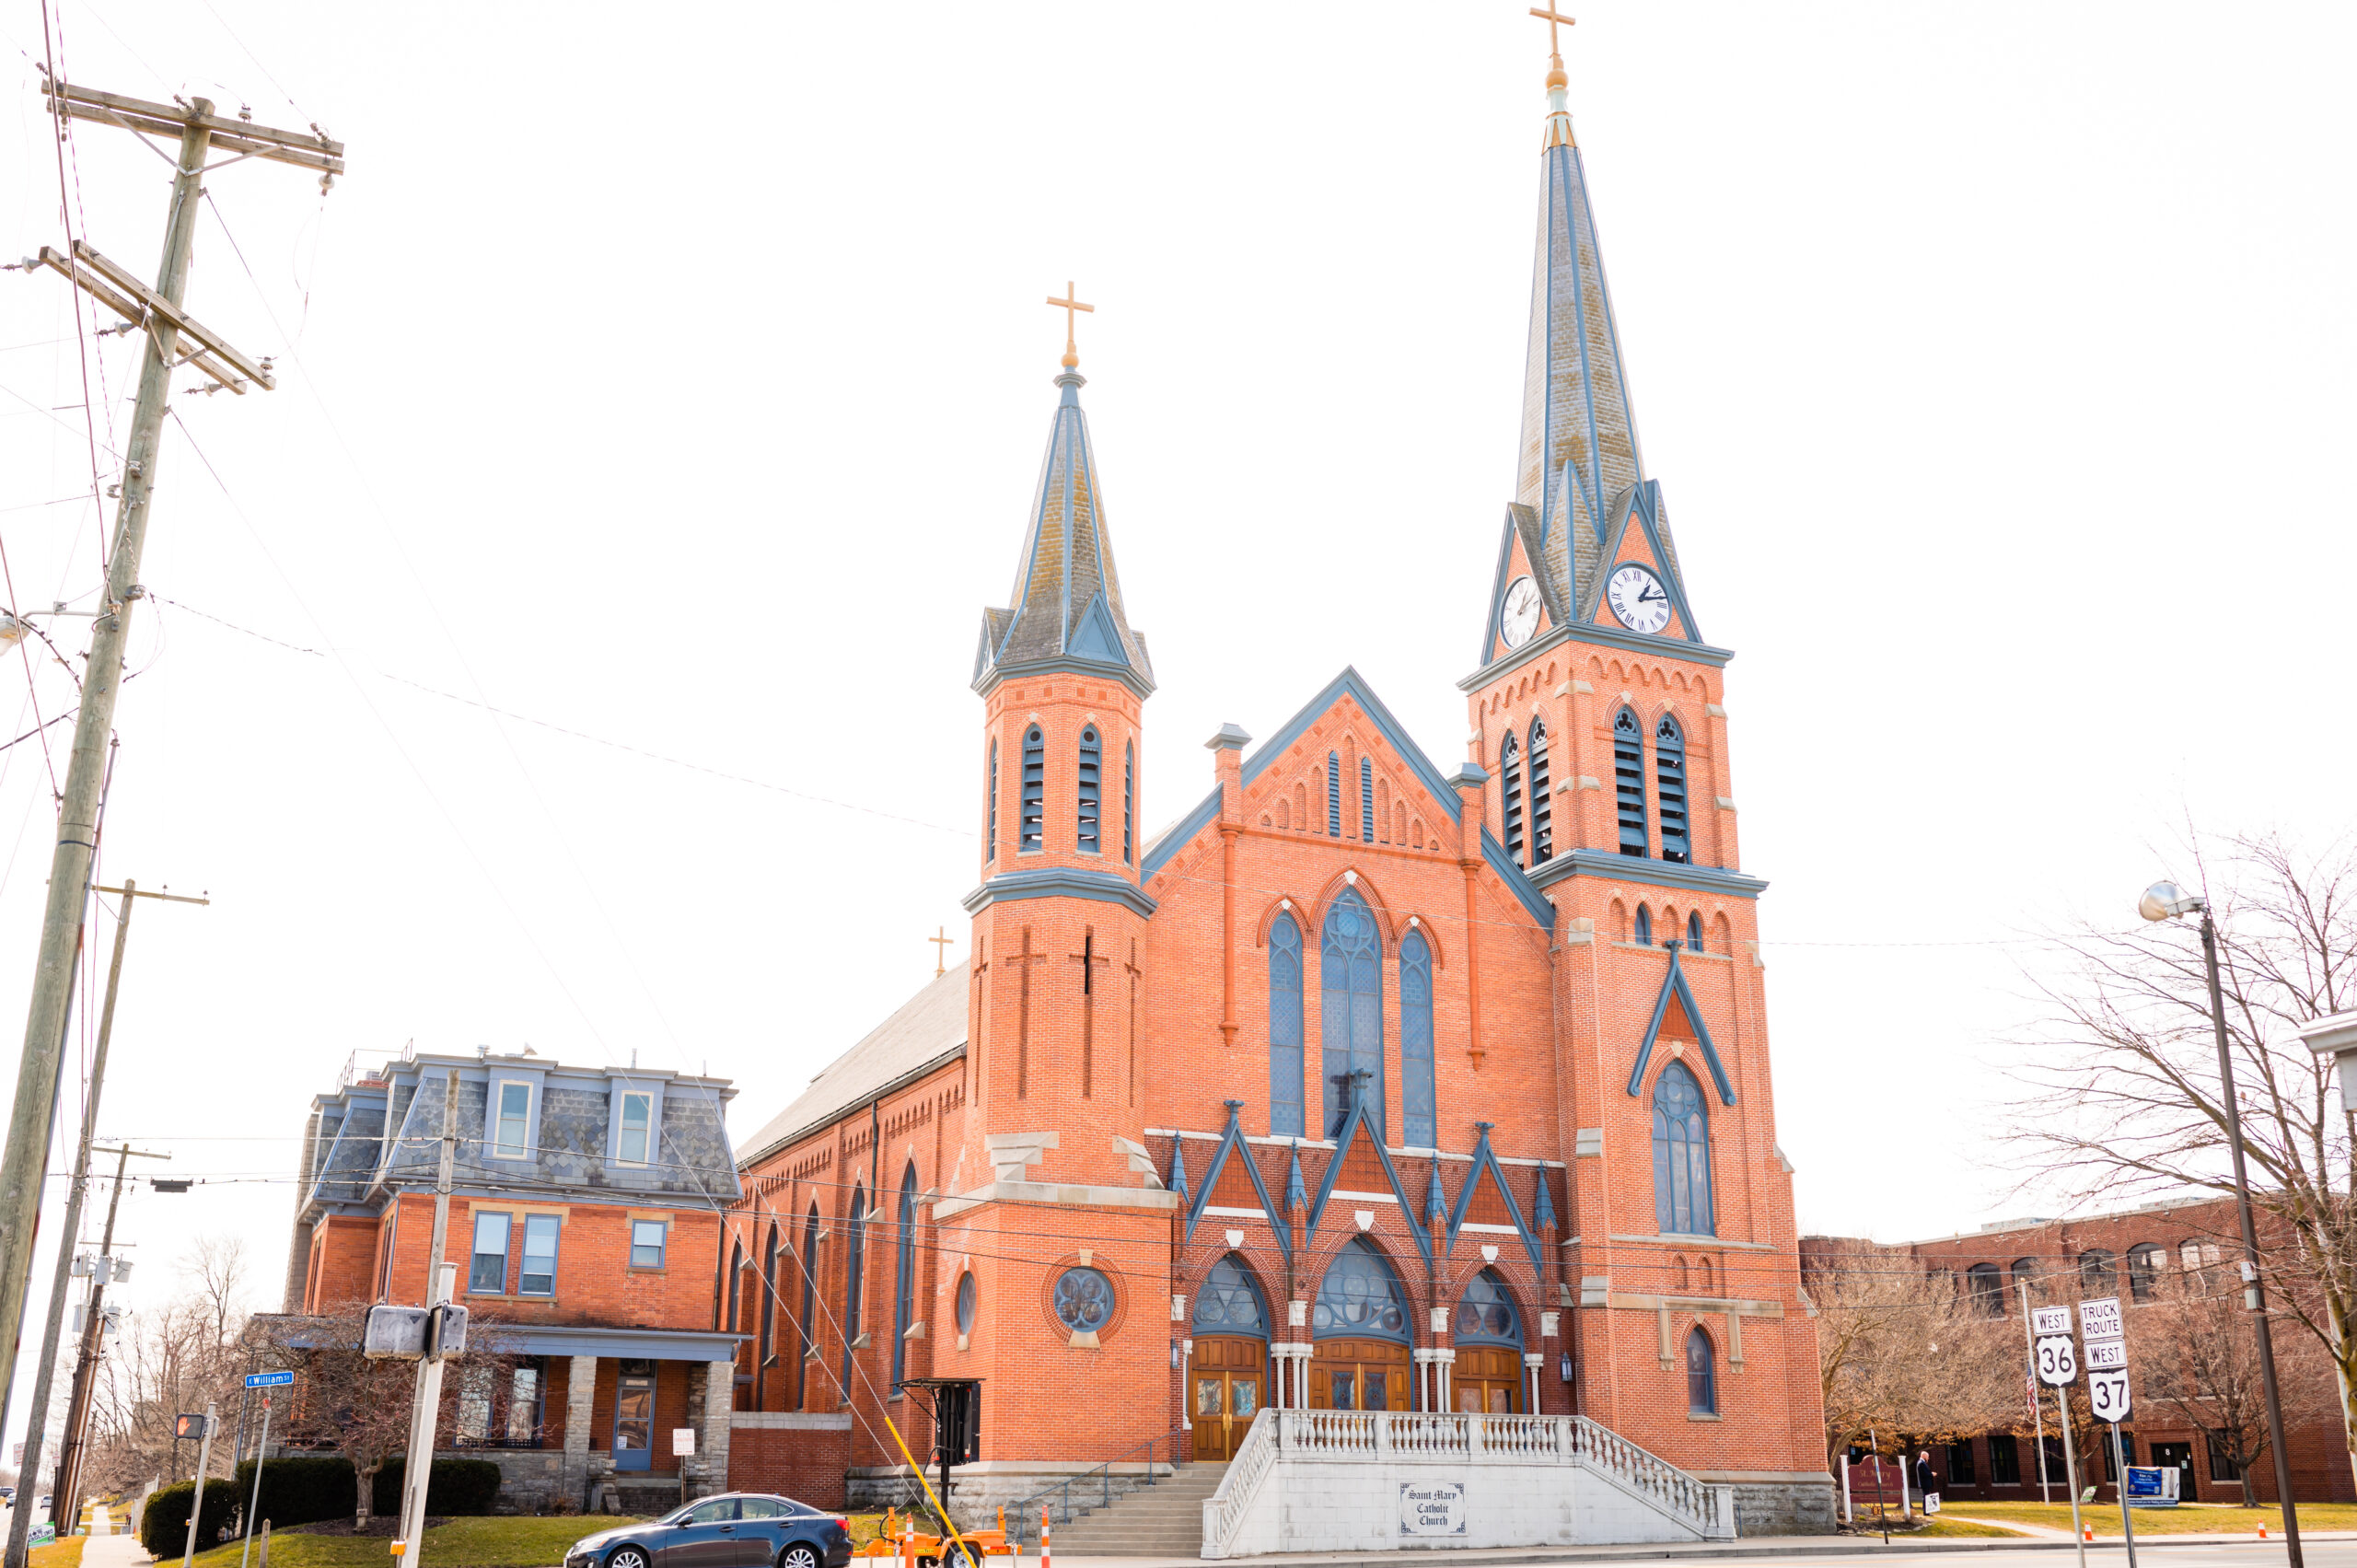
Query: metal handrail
1022	1515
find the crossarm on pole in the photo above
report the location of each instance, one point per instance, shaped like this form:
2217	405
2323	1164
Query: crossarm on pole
307	149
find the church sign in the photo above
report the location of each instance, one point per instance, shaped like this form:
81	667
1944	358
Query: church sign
1432	1507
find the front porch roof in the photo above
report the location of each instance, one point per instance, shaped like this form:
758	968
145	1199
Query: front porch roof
647	1344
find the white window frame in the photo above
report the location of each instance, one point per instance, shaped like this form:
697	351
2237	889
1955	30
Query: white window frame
498	1147
621	1127
631	1260
507	1252
523	1254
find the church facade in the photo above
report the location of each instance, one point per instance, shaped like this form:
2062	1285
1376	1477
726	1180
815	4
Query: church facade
1374	1083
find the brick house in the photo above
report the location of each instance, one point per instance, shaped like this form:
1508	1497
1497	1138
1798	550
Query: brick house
585	1219
2153	1258
1369	1083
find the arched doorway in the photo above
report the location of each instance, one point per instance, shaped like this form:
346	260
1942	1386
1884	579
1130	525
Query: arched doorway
1359	1358
1229	1377
1488	1334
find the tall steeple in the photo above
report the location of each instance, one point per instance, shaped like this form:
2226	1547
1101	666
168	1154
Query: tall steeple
1579	437
1066	606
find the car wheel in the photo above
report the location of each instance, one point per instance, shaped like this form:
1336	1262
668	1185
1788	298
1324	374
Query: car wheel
797	1556
627	1557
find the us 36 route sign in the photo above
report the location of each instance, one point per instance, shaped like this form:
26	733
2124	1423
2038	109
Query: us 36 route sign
2058	1360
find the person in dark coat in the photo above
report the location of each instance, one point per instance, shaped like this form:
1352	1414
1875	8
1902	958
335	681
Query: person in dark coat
1925	1483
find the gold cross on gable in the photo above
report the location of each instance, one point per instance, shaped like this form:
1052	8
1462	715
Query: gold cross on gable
1552	19
1068	304
941	951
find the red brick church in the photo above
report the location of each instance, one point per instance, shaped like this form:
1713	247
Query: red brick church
1374	1083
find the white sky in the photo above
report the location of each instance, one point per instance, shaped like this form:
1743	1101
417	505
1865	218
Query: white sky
679	374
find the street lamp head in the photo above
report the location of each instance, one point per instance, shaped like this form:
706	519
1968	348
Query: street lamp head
2164	900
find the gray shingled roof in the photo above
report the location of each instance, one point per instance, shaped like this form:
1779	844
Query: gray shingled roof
929	1028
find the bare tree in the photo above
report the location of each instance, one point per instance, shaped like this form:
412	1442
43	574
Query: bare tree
1901	1348
2200	1360
169	1359
2126	1100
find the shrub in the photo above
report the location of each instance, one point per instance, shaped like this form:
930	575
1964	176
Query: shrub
301	1490
455	1487
163	1529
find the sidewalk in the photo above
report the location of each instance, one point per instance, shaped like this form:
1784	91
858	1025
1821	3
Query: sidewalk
1765	1547
114	1552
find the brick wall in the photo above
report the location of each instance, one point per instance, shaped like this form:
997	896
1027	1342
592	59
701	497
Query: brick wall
805	1465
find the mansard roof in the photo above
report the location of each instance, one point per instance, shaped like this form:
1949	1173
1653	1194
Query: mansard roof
1065	609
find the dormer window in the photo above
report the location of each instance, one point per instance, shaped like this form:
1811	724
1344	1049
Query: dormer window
638	1110
514	1121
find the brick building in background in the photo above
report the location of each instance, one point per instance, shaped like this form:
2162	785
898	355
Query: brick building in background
2156	1259
585	1219
1368	1083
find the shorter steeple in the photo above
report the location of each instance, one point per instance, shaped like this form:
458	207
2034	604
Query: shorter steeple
1066	607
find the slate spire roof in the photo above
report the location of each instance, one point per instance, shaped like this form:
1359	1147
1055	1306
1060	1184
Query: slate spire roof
1578	452
1066	604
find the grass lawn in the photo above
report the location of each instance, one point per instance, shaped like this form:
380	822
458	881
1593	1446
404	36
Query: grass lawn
492	1543
1941	1529
66	1553
2191	1518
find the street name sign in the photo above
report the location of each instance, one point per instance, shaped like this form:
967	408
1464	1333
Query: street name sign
269	1379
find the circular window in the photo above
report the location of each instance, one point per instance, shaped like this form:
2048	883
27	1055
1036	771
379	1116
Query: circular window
966	1304
1083	1300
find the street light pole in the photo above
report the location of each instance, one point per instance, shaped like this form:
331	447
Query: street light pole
2160	902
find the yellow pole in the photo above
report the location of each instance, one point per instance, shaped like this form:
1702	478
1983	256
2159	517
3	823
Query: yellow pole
938	1507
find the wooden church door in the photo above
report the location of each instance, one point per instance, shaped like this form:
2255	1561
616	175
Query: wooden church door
1488	1381
1229	1379
1358	1375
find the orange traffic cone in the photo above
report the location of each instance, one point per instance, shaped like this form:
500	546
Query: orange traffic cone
2090	1532
2262	1530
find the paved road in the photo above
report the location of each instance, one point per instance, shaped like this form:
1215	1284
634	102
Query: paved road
1818	1551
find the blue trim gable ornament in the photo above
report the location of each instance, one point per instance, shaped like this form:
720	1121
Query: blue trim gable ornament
1297	1191
1354	1122
1178	1167
1485	1161
1436	1202
1232	1146
1673	984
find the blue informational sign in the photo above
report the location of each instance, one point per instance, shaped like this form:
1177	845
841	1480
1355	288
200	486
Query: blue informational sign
269	1379
2151	1486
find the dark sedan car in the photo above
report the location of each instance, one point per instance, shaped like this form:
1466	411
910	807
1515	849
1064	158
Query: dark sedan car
742	1529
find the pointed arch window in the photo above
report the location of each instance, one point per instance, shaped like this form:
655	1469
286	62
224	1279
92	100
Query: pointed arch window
1510	795
1644	934
1284	1029
854	1266
1681	1156
768	1300
1360	1298
1670	782
1333	794
1485	1314
1034	785
1129	801
1090	830
736	1283
1694	932
1229	1302
802	1344
1629	779
1366	800
1419	1119
1542	807
1349	1011
1701	1374
904	1293
990	840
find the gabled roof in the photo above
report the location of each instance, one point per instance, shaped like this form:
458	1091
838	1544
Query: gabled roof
1485	1165
1233	1146
1355	1125
1676	992
1638	507
928	1030
1066	604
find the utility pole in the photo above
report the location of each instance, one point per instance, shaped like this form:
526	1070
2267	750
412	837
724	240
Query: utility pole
77	1408
20	1520
198	133
425	1408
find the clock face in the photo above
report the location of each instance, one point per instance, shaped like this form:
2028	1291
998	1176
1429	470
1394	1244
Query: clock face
1521	617
1638	597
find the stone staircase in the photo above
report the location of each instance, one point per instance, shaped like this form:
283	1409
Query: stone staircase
1162	1520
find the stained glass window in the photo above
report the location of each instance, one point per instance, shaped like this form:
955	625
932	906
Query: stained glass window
1681	1156
1419	1117
1083	1300
1360	1296
966	1303
1485	1314
1694	932
1702	1375
1351	1009
1284	1029
855	1265
1229	1302
904	1302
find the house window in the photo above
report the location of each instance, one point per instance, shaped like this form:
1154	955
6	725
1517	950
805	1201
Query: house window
647	1237
1644	929
2004	1459
514	1119
638	1110
1681	1156
1988	1288
1034	785
2221	1468
524	1406
1542	807
1366	799
1694	932
538	1276
1419	1117
1510	795
1670	782
1333	794
1129	797
1960	1470
1350	1010
1285	1029
2146	1262
904	1303
1629	779
990	839
1090	833
474	1406
488	1272
1702	1375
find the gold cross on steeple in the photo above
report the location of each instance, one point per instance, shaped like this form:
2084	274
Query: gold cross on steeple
941	951
1553	17
1069	304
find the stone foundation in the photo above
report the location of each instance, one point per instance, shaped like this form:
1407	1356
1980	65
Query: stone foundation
977	1491
1775	1503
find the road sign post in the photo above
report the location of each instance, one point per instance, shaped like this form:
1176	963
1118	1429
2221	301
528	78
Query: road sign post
2107	1393
2056	1362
